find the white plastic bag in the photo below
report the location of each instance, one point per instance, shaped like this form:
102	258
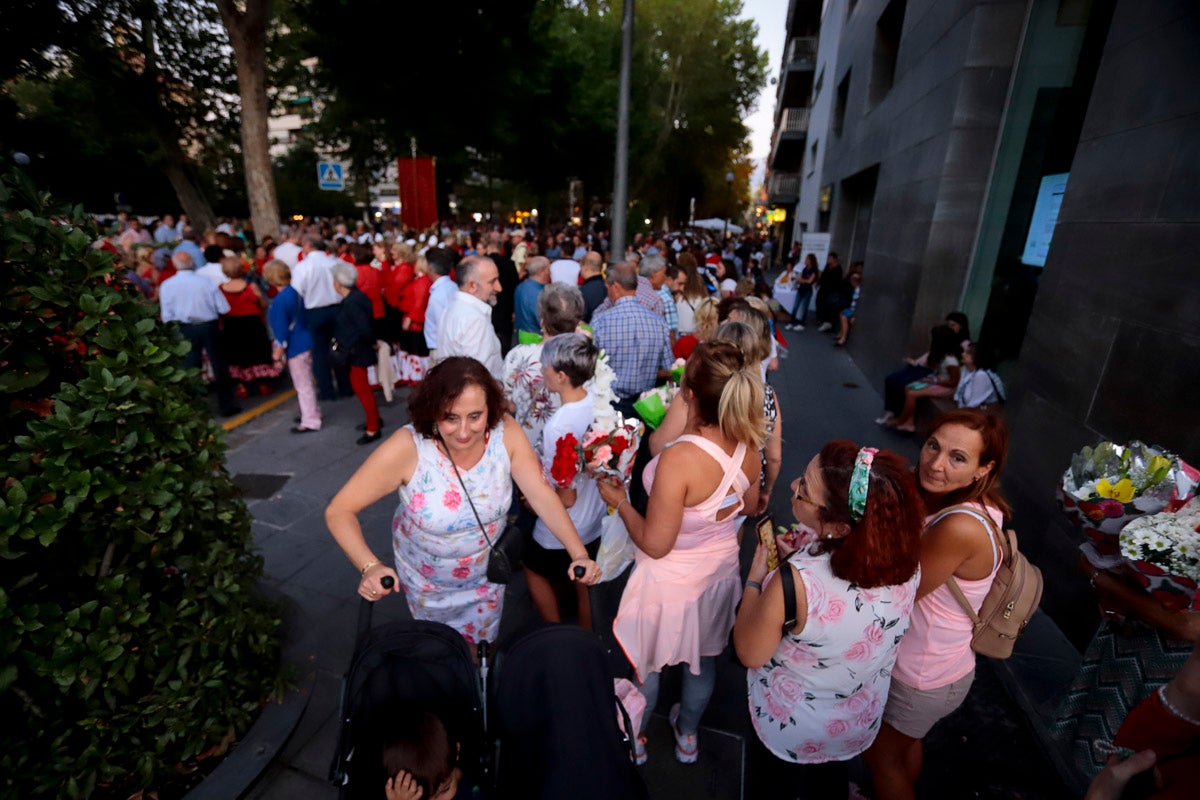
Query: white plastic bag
616	549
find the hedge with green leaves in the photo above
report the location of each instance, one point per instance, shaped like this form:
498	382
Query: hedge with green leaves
130	641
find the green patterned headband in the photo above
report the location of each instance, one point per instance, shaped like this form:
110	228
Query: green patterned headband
860	481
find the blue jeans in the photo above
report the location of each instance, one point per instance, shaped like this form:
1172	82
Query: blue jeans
697	689
800	307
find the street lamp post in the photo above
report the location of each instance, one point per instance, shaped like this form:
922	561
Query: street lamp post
616	244
729	177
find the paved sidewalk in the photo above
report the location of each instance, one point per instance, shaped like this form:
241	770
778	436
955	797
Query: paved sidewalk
822	396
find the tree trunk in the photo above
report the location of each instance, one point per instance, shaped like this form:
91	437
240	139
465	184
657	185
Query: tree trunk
248	36
191	197
175	163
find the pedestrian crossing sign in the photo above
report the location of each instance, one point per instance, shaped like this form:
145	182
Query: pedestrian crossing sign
330	175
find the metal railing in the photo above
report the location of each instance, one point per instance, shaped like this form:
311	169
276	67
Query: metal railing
802	49
784	184
795	120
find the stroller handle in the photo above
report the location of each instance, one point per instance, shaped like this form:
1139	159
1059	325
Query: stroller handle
580	572
387	581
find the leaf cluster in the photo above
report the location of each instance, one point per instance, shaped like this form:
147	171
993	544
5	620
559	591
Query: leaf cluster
130	641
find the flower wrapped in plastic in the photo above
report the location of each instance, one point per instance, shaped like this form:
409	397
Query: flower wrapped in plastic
677	368
651	404
1162	552
566	463
1109	485
609	451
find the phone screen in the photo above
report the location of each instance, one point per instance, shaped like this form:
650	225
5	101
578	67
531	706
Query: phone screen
766	535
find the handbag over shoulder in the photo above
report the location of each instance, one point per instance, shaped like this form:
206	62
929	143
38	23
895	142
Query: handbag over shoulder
1014	595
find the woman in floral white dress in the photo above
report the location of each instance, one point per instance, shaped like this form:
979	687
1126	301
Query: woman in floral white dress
560	310
817	691
441	554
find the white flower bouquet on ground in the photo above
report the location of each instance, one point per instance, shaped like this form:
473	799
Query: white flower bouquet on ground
1109	485
1162	552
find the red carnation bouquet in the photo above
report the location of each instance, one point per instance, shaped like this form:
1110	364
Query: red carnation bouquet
566	462
610	451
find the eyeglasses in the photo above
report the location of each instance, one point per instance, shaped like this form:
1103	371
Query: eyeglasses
800	487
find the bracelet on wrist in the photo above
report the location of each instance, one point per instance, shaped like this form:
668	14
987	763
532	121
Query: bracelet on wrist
753	585
623	501
1175	712
372	563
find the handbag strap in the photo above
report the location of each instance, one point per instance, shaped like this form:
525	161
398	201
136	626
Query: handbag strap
789	597
999	394
466	494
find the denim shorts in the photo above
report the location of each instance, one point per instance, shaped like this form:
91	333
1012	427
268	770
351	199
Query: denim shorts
914	711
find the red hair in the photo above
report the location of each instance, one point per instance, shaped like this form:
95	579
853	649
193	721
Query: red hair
884	547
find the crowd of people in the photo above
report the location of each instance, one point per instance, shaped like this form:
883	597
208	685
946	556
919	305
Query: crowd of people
854	644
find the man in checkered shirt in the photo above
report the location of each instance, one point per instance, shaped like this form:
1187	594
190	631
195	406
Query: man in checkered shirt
634	337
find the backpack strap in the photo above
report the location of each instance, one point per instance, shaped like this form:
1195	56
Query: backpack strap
997	538
789	597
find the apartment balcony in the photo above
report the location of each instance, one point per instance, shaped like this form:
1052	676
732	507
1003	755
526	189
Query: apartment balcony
791	133
783	189
796	77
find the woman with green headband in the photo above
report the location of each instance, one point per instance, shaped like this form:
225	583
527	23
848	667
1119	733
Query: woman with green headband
959	476
818	678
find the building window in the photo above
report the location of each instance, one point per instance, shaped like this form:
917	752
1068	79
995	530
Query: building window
812	157
817	86
887	48
839	106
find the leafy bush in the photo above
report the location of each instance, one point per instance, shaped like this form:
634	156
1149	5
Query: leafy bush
129	639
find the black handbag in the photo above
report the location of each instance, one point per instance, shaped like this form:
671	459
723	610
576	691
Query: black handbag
339	354
506	551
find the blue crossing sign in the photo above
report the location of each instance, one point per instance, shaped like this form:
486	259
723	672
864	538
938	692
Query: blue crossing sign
331	175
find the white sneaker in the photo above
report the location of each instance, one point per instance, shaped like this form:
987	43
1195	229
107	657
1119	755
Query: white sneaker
887	416
825	326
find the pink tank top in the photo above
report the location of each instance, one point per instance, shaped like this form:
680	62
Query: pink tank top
700	525
936	650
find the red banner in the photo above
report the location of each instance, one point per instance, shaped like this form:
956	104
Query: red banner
418	192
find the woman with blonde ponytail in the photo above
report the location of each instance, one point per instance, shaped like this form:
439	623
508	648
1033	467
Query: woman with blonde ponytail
679	604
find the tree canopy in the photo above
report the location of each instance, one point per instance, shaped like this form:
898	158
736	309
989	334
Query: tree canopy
140	97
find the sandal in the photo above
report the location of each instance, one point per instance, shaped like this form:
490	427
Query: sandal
639	750
686	748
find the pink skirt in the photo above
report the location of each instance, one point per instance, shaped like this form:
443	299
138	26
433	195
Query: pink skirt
679	608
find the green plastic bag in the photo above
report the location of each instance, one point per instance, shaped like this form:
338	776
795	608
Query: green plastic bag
528	337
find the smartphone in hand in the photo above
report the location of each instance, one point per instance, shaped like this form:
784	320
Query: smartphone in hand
766	535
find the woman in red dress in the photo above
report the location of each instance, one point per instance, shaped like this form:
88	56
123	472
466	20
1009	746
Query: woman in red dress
243	338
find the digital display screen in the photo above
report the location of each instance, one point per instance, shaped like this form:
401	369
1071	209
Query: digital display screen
1045	216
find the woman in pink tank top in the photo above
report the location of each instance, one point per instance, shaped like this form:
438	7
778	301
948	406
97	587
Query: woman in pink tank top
679	603
960	465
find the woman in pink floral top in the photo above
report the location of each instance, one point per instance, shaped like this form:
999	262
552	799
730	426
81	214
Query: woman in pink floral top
817	690
441	554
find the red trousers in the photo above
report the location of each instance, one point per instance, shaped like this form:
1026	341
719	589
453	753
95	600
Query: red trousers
362	390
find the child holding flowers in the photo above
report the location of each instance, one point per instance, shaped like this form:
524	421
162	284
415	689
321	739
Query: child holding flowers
568	362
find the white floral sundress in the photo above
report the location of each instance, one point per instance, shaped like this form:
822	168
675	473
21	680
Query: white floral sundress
441	555
821	696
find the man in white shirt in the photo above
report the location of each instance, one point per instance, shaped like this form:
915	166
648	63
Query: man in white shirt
288	251
440	262
196	304
466	328
212	267
565	270
312	278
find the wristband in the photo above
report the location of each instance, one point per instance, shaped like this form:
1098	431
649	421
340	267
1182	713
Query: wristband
754	584
623	501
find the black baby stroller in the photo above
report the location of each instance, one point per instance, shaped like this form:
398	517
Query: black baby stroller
547	726
553	715
411	665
